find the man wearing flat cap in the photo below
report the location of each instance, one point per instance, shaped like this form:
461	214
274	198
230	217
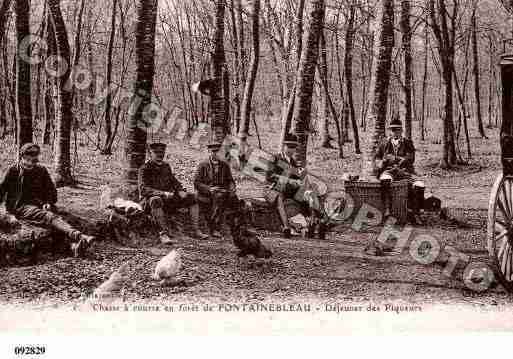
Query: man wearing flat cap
30	194
285	181
162	194
215	186
395	158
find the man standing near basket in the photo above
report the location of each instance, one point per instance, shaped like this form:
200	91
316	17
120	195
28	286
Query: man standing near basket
395	159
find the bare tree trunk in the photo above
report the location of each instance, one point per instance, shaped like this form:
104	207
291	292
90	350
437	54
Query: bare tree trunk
63	111
143	89
4	15
218	59
23	97
323	112
250	83
490	81
380	80
305	78
287	119
475	57
348	69
424	85
445	37
408	75
107	147
236	65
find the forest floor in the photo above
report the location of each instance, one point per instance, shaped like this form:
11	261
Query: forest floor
336	269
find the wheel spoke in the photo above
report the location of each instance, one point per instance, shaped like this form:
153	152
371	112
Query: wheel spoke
509	191
503	244
504	260
500	226
504	209
505	195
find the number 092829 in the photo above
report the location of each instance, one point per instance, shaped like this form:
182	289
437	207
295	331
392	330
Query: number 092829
29	350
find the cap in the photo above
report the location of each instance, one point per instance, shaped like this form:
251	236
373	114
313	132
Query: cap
214	144
395	123
156	146
30	149
290	140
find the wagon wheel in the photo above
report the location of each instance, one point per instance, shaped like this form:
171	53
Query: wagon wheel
500	230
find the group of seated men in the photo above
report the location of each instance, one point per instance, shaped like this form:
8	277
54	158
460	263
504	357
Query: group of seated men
30	193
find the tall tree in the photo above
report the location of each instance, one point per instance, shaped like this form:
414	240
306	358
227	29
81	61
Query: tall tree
143	88
219	125
107	147
408	73
443	24
380	80
475	71
253	68
305	77
23	97
348	70
63	108
289	113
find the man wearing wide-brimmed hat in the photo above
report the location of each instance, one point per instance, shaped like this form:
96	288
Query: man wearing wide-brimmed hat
30	195
162	194
395	158
284	183
216	186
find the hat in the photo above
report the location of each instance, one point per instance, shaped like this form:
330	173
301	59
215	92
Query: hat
214	144
290	140
30	149
395	123
156	146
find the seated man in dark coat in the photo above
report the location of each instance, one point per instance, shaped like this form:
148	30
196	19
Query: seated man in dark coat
30	195
396	156
285	179
215	186
162	194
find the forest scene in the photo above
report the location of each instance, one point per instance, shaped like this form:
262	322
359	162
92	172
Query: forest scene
95	83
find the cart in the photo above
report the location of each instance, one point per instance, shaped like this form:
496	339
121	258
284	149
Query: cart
500	207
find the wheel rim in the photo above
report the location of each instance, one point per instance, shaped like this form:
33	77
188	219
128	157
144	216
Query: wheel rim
500	228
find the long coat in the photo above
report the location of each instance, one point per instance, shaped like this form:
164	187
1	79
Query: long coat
27	187
206	177
402	156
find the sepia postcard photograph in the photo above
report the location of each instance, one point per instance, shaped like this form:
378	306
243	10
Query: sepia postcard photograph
261	167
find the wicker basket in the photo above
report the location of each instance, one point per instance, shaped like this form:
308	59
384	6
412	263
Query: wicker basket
370	193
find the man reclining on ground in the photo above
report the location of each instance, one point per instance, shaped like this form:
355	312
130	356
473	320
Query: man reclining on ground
30	195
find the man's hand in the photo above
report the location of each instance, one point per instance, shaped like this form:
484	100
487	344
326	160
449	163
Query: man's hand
182	194
390	158
168	195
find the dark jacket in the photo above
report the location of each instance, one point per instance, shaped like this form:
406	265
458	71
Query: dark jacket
156	179
27	187
205	177
403	156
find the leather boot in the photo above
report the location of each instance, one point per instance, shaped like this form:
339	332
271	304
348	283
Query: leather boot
194	211
419	193
79	241
386	196
413	207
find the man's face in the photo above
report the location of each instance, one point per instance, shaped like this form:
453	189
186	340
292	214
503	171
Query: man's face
28	161
158	155
290	150
397	132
